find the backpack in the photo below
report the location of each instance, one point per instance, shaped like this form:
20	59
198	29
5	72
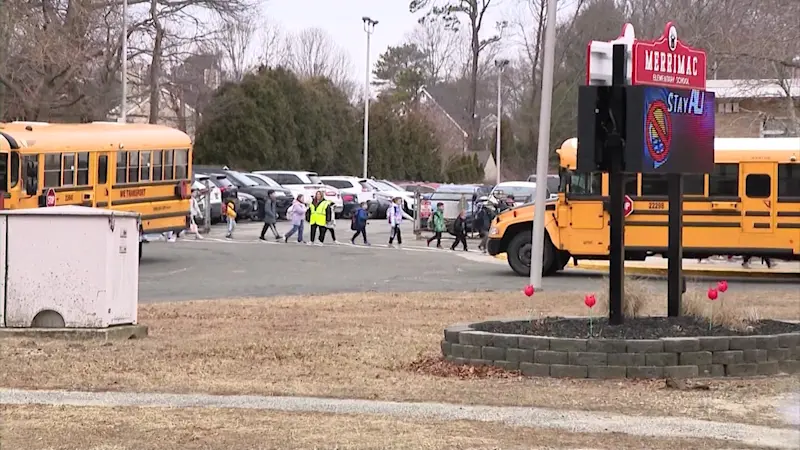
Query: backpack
353	221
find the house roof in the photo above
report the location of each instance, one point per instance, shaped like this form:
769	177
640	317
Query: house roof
753	88
484	155
452	98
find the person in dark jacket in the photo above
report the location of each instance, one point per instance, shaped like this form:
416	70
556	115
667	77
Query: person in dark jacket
460	230
485	216
359	224
270	217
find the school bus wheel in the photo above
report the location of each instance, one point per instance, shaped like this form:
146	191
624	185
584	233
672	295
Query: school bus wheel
519	254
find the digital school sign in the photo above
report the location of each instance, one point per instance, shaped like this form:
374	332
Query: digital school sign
668	113
669	130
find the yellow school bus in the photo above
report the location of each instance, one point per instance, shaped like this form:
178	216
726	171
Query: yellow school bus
749	205
139	168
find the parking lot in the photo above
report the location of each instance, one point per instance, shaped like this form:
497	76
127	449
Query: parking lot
215	267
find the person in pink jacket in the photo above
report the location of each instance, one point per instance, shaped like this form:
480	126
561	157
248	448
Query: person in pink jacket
298	214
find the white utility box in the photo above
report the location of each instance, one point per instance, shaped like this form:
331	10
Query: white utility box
68	266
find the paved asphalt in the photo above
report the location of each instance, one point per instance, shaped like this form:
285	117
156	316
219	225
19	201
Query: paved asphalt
246	267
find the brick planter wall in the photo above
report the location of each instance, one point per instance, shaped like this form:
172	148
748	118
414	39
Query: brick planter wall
734	356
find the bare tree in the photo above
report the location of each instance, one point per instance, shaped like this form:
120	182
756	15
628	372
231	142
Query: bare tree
273	48
449	14
235	44
313	53
439	46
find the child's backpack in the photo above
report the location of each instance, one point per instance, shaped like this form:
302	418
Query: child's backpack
354	222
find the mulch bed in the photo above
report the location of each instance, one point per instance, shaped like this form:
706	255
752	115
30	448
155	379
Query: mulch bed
636	328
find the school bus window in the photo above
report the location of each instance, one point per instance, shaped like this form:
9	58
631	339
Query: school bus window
3	171
133	167
694	184
631	185
31	174
102	169
169	171
657	184
724	181
145	167
122	170
758	186
68	175
788	180
157	170
586	184
83	169
14	168
181	164
52	170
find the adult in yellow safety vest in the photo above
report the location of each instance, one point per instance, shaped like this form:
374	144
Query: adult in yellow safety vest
318	216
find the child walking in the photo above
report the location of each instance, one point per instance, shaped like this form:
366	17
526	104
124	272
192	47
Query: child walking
270	217
395	213
438	225
460	230
330	224
359	224
298	213
230	213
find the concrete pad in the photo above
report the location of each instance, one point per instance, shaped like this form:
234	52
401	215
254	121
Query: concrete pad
116	333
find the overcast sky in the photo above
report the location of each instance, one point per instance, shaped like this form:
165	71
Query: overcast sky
342	20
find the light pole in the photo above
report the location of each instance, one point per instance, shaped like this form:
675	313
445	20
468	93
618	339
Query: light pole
544	146
369	27
123	115
500	64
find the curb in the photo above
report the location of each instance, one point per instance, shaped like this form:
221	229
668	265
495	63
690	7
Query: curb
602	266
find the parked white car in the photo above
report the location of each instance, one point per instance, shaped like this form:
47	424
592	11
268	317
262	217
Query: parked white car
358	187
216	196
306	183
523	192
389	190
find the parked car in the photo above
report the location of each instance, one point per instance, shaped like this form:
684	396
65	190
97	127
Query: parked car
553	182
455	198
215	200
387	192
248	207
424	190
359	187
523	192
306	183
227	189
283	196
248	186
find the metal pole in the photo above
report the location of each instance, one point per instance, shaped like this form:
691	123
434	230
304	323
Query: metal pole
123	115
675	283
499	121
369	26
537	252
207	201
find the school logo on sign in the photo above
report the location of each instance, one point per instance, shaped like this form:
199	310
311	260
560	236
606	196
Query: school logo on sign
659	132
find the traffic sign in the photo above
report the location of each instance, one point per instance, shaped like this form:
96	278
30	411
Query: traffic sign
627	206
50	198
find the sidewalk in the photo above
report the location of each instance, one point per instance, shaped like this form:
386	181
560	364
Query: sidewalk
571	420
710	267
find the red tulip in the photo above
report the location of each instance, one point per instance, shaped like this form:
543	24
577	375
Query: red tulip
722	286
590	301
528	290
712	294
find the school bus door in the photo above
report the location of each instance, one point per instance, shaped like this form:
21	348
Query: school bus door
758	197
102	185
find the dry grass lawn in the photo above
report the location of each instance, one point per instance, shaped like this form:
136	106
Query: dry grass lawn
360	346
42	427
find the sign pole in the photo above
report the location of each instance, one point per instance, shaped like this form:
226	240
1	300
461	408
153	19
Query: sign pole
615	149
675	283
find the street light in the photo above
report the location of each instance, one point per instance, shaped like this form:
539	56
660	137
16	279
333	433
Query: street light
123	114
544	145
500	64
369	27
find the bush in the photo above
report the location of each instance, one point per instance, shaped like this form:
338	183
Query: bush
729	315
637	294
